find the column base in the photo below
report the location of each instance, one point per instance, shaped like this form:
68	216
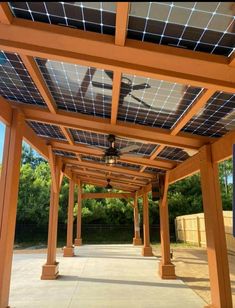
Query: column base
147	251
50	271
137	241
68	252
167	271
78	242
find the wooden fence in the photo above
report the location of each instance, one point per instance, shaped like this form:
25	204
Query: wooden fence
191	229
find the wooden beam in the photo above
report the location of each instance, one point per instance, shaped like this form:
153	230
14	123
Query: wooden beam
98	50
83	149
107	195
117	77
6	16
121	23
122	129
106	168
5	111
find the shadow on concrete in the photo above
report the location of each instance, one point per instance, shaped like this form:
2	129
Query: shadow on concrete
167	283
113	257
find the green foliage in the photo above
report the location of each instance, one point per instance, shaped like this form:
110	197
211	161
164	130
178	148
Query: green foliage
184	197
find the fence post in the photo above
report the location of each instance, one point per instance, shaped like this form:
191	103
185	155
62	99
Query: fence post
198	232
184	231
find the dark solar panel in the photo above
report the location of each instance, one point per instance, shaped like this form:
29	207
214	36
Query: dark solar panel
15	82
173	154
64	153
88	16
92	159
78	88
201	26
154	102
153	170
216	118
100	141
129	166
46	130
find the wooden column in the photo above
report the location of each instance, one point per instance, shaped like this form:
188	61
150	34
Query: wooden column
50	270
215	233
137	239
166	268
8	200
69	249
147	249
78	239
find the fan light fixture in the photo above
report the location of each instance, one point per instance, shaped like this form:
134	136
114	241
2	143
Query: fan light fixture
108	186
111	155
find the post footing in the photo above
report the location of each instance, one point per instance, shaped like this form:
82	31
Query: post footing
147	251
137	241
68	252
167	271
78	242
50	271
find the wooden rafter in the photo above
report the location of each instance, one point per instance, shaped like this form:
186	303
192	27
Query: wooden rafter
121	22
117	77
139	58
136	132
6	16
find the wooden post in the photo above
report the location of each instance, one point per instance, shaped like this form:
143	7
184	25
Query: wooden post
137	239
50	270
9	184
69	249
147	249
215	234
78	239
166	268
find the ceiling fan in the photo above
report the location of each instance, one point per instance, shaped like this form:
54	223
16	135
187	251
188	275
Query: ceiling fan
109	187
112	154
126	88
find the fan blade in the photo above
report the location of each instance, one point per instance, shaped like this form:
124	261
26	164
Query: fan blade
141	86
102	85
109	73
139	100
129	148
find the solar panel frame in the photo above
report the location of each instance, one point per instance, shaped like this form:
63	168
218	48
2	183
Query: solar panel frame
211	119
15	81
46	130
177	24
72	87
175	154
88	16
166	101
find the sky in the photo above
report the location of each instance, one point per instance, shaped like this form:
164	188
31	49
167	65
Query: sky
2	135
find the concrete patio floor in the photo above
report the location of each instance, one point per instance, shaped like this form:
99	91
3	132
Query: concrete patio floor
99	276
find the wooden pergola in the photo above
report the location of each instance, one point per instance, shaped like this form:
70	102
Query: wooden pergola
133	175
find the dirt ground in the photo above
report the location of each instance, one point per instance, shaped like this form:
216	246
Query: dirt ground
190	264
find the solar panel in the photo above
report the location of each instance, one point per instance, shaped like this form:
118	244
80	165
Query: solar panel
201	26
154	102
78	88
100	141
46	130
173	154
154	170
15	82
216	118
88	16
